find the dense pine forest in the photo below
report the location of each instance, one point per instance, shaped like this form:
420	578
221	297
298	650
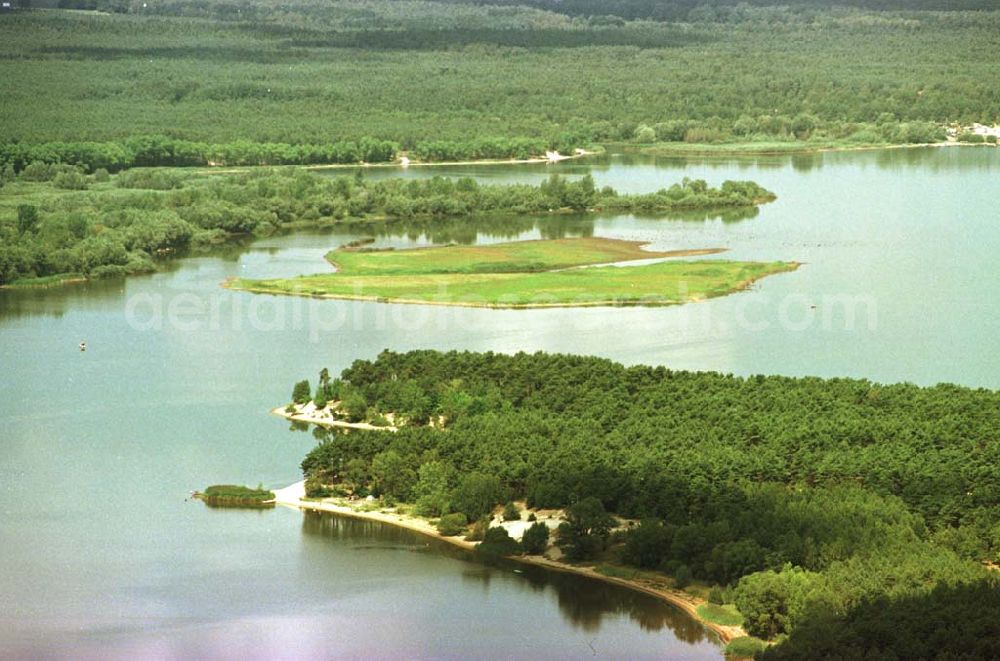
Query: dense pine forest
818	506
186	82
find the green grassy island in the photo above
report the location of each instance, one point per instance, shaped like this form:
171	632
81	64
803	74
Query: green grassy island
837	518
232	495
523	274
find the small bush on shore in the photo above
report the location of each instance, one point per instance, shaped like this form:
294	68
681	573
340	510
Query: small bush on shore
431	505
478	532
498	542
745	647
536	539
511	513
301	393
971	138
452	524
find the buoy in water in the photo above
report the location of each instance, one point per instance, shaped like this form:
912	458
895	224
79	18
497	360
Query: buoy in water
83	346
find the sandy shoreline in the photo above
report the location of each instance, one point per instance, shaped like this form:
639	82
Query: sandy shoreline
704	150
44	285
225	169
482	161
324	421
292	496
693	151
719	150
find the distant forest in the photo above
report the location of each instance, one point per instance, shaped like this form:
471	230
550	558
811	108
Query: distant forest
657	10
306	81
688	10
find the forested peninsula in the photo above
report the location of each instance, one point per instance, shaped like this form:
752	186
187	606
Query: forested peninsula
837	518
58	223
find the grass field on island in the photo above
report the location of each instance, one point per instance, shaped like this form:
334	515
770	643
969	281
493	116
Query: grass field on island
516	257
523	274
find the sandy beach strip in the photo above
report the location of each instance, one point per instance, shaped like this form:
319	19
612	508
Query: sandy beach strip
327	421
293	495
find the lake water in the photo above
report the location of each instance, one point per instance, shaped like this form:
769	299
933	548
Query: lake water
105	557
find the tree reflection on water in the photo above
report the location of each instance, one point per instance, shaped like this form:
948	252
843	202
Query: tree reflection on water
583	602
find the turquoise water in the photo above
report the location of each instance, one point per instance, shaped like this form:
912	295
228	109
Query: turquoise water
105	557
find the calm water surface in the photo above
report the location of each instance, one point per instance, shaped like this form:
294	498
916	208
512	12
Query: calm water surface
98	450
